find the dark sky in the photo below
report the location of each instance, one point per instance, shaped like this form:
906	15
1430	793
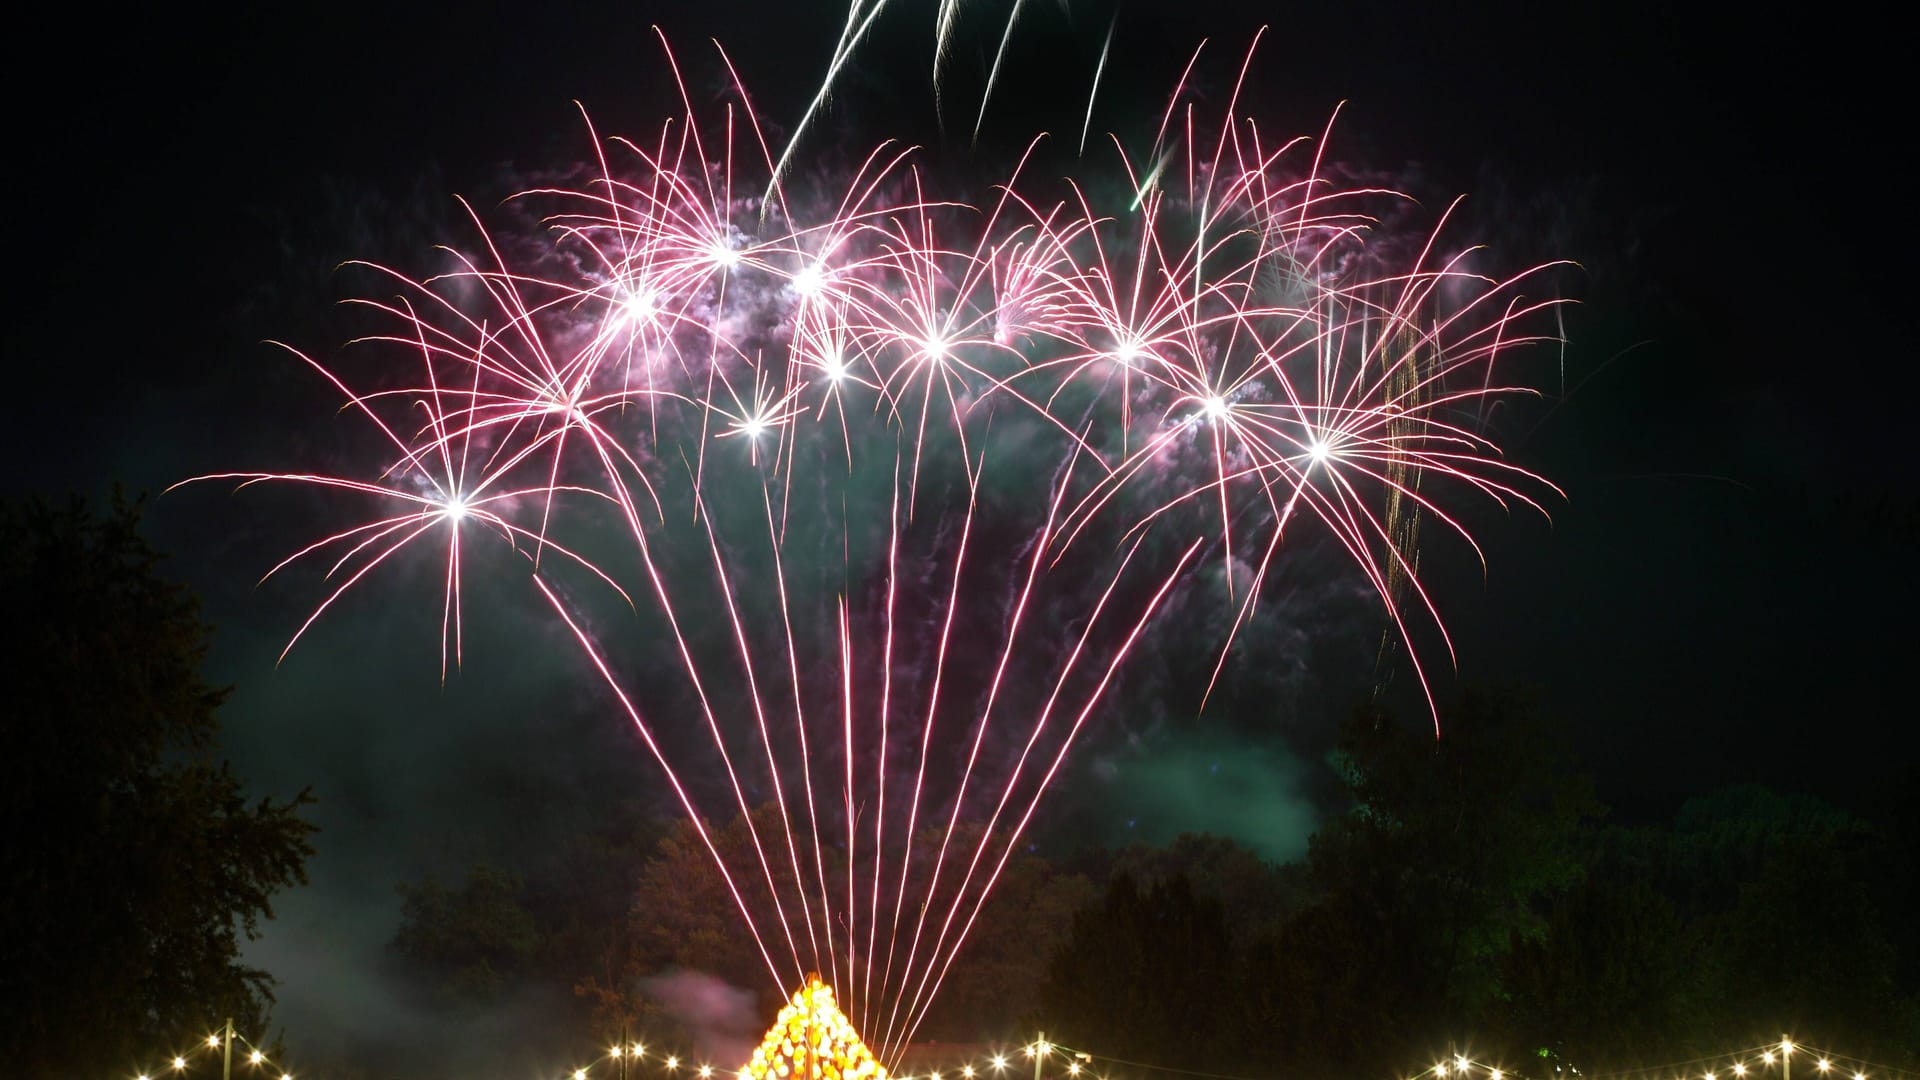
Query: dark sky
1725	594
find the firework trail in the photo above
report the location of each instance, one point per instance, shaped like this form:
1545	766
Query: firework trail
900	483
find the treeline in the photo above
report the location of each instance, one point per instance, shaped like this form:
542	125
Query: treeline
1474	896
1472	893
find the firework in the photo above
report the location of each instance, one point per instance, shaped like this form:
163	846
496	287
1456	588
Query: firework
902	483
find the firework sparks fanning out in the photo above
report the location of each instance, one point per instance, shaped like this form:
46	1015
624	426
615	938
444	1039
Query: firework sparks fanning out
903	482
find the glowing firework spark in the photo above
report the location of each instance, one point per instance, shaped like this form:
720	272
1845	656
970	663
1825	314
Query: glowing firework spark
905	479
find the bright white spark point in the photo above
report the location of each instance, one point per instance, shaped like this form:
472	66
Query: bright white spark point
639	306
752	427
1126	352
1216	407
935	347
724	254
808	279
1318	451
456	510
835	367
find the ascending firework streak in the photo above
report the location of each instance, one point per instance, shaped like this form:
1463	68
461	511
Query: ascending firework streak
904	482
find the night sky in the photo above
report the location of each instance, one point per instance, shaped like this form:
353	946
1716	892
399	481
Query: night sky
1725	595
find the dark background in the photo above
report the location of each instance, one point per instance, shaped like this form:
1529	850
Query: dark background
1725	594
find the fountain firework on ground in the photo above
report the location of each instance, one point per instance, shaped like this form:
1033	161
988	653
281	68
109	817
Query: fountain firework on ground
901	482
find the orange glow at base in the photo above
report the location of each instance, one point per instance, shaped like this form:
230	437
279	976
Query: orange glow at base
812	1040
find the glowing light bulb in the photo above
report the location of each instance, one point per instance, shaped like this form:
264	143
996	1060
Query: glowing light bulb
1739	1068
673	1061
143	1076
615	1052
1461	1062
1440	1069
256	1057
179	1063
213	1041
1823	1064
706	1071
1767	1057
1786	1046
1859	1076
999	1061
579	1074
639	1049
1044	1047
1073	1069
1496	1074
967	1071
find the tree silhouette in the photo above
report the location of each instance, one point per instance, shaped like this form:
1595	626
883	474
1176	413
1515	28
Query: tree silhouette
134	860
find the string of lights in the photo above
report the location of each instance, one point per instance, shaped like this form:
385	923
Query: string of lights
220	1045
1077	1064
1768	1061
1747	1063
